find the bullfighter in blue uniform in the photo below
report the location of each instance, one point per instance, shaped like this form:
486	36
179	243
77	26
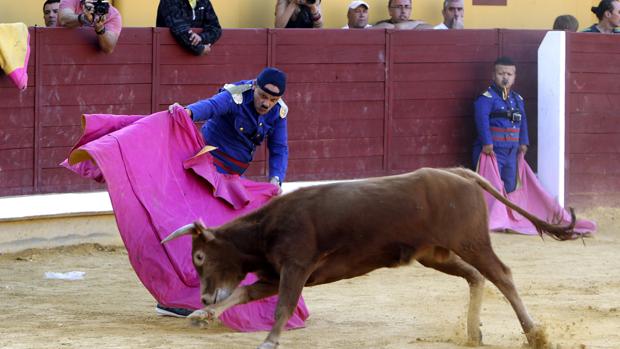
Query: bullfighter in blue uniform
240	117
501	122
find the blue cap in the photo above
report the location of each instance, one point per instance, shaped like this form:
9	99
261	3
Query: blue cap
274	77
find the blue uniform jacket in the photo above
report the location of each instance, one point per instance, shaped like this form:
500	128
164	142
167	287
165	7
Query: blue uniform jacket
236	129
495	129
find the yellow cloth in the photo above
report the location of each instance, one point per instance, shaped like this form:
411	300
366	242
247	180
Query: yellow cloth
192	3
13	46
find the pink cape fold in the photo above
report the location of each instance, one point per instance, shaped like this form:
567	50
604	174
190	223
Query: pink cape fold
529	195
157	185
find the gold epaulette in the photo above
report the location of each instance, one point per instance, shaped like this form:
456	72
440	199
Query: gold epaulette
237	91
283	108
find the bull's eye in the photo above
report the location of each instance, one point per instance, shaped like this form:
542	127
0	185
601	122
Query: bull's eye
199	258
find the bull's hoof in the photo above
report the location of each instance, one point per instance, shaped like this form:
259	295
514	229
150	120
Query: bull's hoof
268	345
475	339
537	338
201	317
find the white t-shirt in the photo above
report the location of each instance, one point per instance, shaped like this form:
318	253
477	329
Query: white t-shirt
441	26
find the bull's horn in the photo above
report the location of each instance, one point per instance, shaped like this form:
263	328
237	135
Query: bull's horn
184	230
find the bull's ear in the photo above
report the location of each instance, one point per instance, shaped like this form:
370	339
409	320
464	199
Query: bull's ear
206	232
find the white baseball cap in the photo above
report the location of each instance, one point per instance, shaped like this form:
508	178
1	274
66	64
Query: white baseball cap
355	4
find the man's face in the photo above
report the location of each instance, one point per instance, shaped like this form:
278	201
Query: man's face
263	101
504	75
50	14
358	17
453	12
613	16
400	10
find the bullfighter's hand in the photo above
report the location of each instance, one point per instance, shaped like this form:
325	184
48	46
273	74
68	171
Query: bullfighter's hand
523	149
487	149
171	108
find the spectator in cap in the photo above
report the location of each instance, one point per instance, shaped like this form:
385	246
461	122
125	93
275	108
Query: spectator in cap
357	15
400	17
183	15
240	117
453	12
566	22
608	14
50	12
298	14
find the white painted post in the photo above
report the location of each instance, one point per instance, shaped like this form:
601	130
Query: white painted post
552	113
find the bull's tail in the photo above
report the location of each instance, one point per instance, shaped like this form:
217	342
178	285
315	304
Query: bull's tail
556	231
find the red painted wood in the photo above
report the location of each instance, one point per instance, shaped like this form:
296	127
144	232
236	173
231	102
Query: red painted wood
96	74
96	94
16	138
16	180
16	159
16	117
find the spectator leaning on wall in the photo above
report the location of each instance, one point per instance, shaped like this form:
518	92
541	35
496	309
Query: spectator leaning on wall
357	15
98	14
50	12
400	13
453	13
183	15
608	14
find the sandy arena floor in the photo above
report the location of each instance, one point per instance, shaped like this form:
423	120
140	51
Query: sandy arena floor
572	289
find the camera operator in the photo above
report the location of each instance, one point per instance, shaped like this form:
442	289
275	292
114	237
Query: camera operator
183	15
98	14
501	123
298	14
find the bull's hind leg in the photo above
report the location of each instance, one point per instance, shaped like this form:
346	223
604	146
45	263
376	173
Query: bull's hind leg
486	261
449	263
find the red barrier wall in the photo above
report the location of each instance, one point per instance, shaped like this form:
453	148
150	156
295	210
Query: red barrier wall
362	103
592	126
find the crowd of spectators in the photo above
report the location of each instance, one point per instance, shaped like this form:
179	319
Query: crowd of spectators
183	16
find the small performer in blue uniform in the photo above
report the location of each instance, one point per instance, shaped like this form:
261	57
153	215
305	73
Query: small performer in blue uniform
240	117
501	122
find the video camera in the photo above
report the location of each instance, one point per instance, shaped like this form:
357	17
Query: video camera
100	7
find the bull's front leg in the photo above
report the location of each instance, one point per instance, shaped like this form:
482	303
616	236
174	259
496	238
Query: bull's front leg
292	281
240	295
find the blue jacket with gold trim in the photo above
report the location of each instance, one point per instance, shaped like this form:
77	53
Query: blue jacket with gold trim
500	122
236	129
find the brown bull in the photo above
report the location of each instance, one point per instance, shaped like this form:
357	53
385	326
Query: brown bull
326	233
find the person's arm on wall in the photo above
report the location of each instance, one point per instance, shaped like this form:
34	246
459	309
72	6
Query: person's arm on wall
211	29
107	38
180	28
284	11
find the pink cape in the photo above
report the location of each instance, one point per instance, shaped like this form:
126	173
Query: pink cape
529	195
157	185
